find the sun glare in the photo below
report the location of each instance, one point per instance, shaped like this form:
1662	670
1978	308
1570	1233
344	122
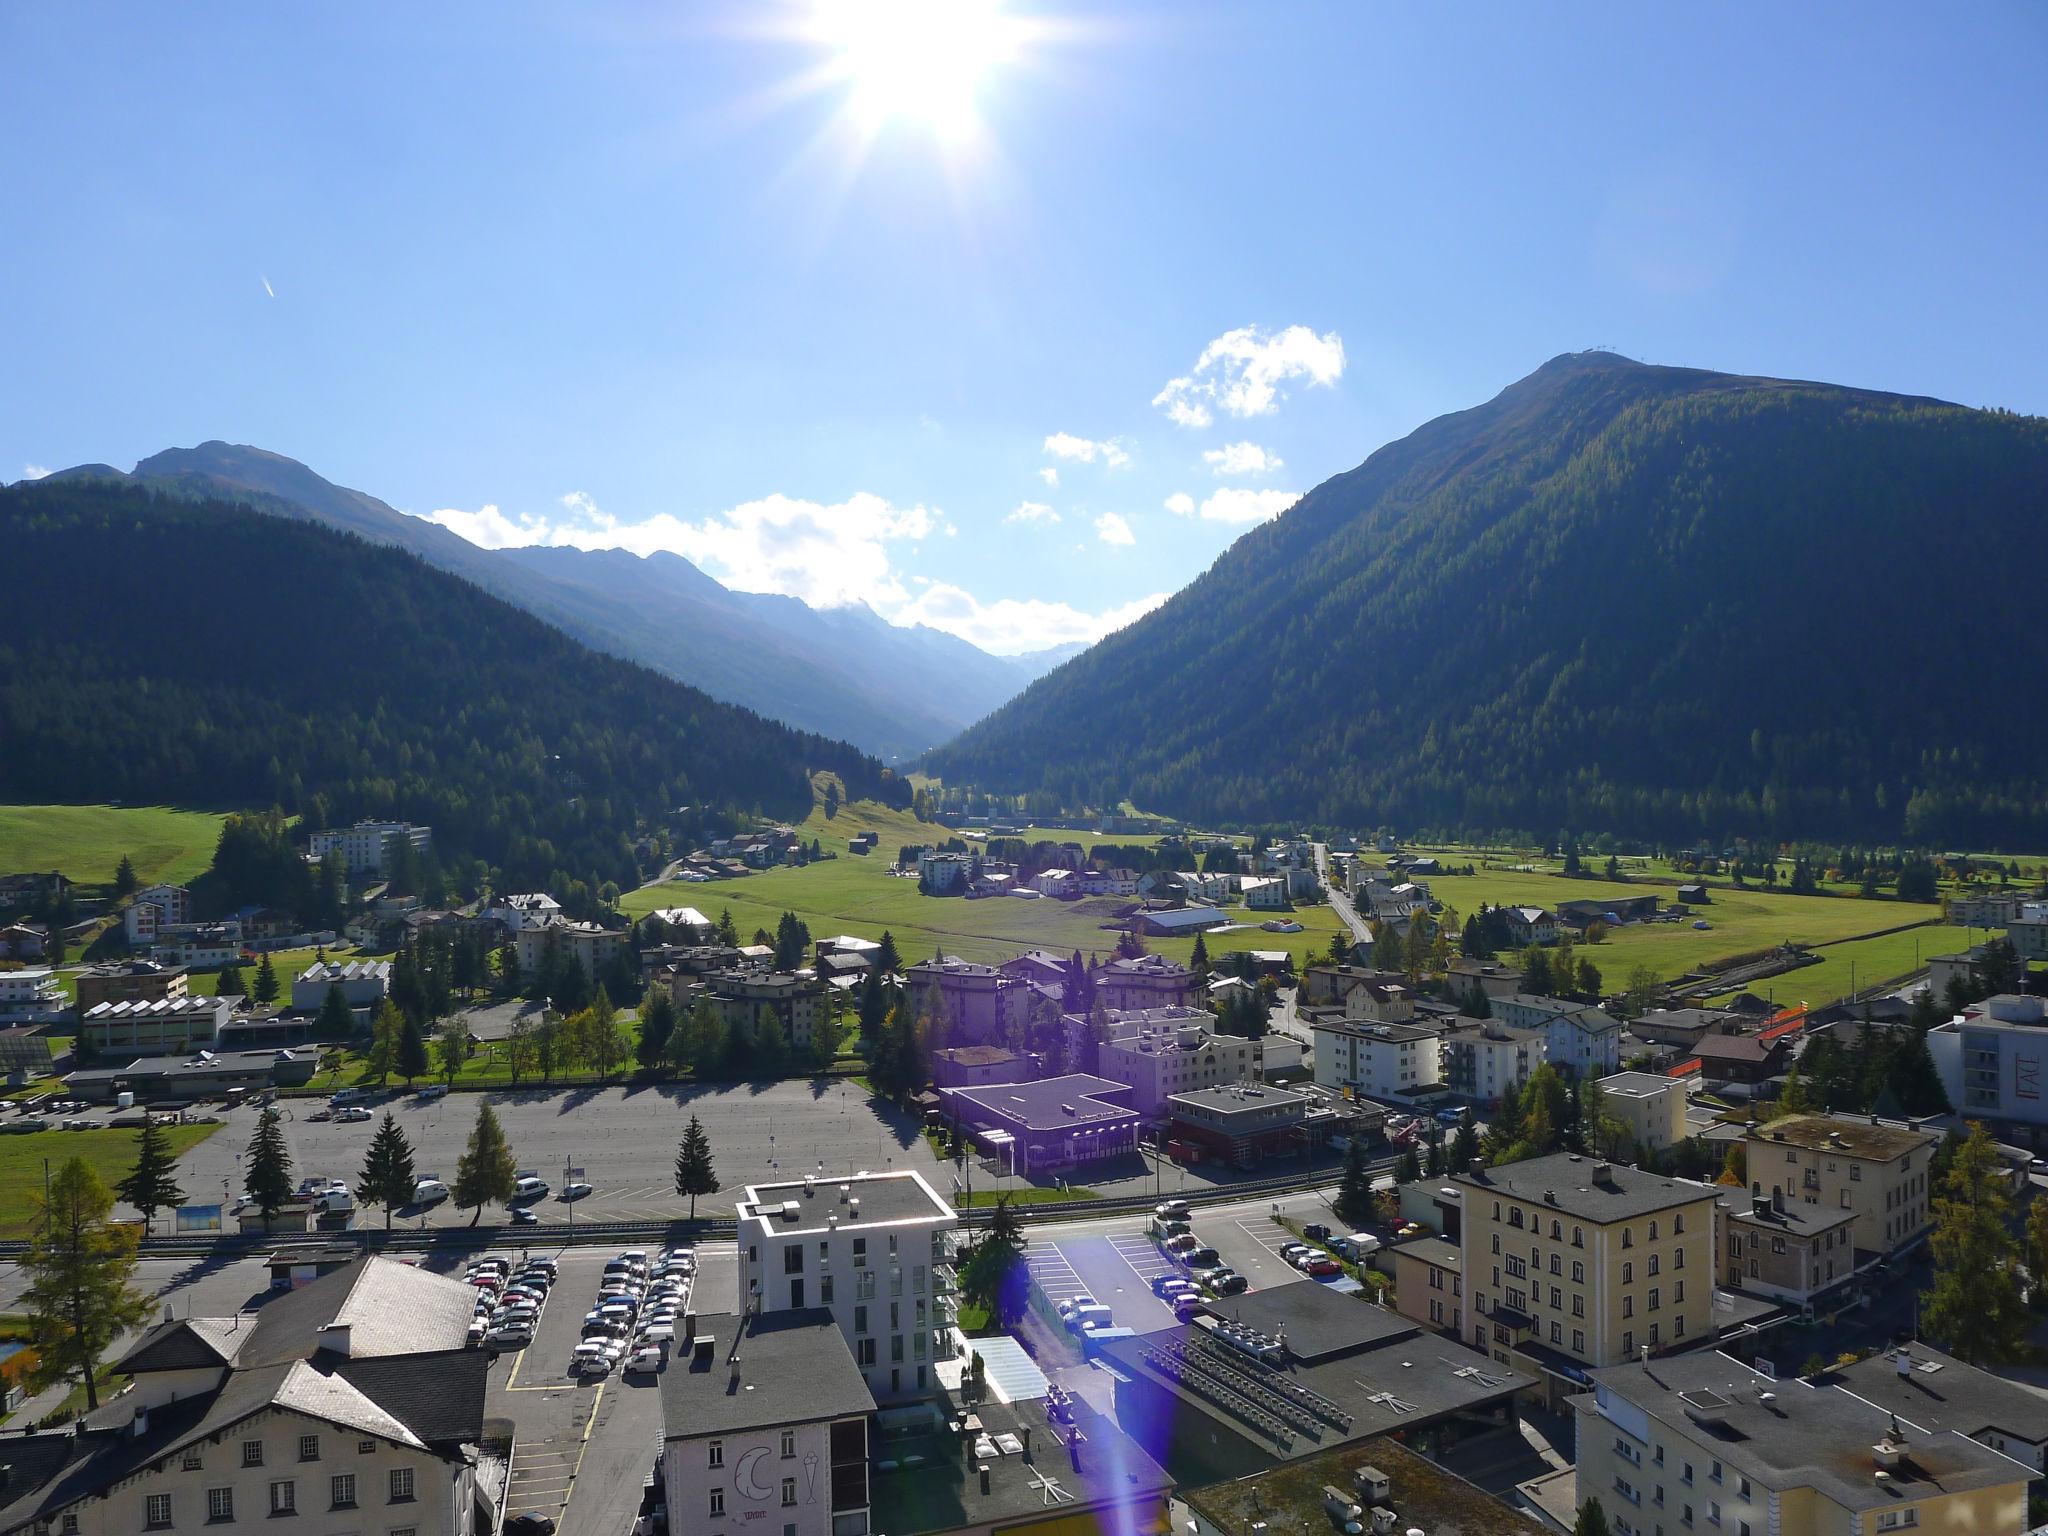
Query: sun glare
916	60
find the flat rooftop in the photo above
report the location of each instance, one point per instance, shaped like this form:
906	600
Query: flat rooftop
794	1368
885	1198
1638	1085
1423	1496
1564	1182
1852	1138
1053	1104
1031	1462
1936	1391
1229	1098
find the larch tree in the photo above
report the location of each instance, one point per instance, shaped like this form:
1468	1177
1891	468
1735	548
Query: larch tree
81	1266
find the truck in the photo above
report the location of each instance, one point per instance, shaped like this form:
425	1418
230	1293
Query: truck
1357	1247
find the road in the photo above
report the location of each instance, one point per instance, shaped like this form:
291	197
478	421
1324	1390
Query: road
1339	902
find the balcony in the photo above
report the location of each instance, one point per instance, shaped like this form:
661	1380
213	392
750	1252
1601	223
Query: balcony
945	1282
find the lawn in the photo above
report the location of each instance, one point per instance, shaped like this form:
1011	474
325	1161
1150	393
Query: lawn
857	894
1860	964
86	841
110	1153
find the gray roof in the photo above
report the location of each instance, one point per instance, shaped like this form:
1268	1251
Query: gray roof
1941	1392
1793	1216
1845	1136
794	1368
1042	1106
1789	1434
1423	1496
1564	1182
884	1198
1432	1250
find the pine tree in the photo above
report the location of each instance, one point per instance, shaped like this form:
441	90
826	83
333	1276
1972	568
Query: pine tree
266	981
150	1186
1464	1147
887	960
81	1293
994	1277
1354	1194
230	983
657	1023
1536	972
694	1174
1409	1168
270	1166
1592	1520
1198	957
485	1172
388	1176
1974	1306
728	934
336	1020
125	882
412	1051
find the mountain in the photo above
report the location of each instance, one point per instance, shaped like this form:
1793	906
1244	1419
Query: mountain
1652	600
844	672
163	648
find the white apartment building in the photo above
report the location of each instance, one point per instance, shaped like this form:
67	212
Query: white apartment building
527	909
364	846
1378	1061
1483	1058
31	995
1991	1056
1583	1040
1264	893
1158	1052
876	1251
348	1405
159	907
1651	1105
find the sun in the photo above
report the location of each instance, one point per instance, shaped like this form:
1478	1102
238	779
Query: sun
921	61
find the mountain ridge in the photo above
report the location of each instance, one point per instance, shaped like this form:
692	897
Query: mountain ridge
1568	606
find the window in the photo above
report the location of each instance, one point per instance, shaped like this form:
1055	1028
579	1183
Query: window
401	1485
1578	1341
1556	1265
1496	1242
1556	1333
193	1461
860	1320
1578	1306
1556	1297
1714	1471
1653	1298
1653	1231
1628	1306
1515	1217
1578	1272
1677	1293
789	1445
718	1503
824	1290
789	1493
860	1253
366	1447
1897	1519
1628	1342
1578	1237
864	1352
1678	1224
1678	1259
220	1505
1628	1274
405	1530
1685	1476
309	1447
714	1454
252	1453
342	1487
1628	1238
1651	1264
792	1260
284	1498
156	1511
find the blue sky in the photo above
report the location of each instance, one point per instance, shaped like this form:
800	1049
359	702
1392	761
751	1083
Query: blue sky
736	283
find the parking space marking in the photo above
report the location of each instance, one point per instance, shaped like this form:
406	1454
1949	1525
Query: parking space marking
1053	1274
1142	1256
1268	1234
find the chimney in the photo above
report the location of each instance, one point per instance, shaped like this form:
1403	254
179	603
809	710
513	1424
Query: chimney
140	1424
1603	1173
1761	1205
1777	1199
1025	1431
1904	1362
702	1351
734	1362
335	1339
689	1326
983	1471
1074	1451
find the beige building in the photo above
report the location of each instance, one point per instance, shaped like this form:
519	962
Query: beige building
1702	1443
1159	1052
1651	1105
348	1405
1572	1263
589	945
1429	1283
1791	1251
1879	1172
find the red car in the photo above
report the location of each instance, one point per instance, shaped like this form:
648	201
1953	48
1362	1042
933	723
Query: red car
1322	1269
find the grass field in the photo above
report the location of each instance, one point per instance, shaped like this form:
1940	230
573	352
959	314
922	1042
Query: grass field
858	895
110	1153
86	841
1859	964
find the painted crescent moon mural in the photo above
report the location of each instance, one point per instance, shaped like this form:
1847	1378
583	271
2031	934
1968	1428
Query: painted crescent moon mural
751	1488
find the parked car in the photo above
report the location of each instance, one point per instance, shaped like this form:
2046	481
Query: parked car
576	1189
1188	1307
523	1216
434	1091
1322	1268
645	1360
1171	1210
429	1192
351	1114
1201	1258
529	1188
1229	1283
1316	1232
530	1525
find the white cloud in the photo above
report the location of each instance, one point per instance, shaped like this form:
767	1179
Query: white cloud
1064	445
1181	504
1112	529
1012	625
1050	475
490	528
1241	504
34	471
1241	459
1032	512
1242	371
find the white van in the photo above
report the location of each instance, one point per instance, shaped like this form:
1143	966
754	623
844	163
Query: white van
427	1191
1358	1247
336	1202
531	1187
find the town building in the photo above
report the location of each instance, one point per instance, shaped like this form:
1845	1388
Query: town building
24	941
130	981
1530	925
527	909
1131	983
164	1026
1583	912
1679	1027
198	946
1159	1052
158	907
1572	1263
1244	1125
1703	1442
590	946
1483	1058
363	983
32	995
172	1080
1429	1283
1786	1250
1264	893
365	848
1042	1127
1878	1172
1991	1058
973	1066
351	1403
1359	992
1378	1061
938	873
685	925
799	1000
765	1425
1583	1041
1489	976
873	1249
1179	922
1651	1105
1747	1060
1380	1485
1931	1391
1287	1373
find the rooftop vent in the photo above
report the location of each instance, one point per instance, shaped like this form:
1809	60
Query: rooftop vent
1706	1407
1372	1484
789	1210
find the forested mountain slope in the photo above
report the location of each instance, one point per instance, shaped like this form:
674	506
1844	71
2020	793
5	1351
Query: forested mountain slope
161	649
846	673
1647	599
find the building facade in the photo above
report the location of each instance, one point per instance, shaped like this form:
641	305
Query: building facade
1789	1251
1652	1106
1991	1058
1877	1172
365	847
1378	1061
1165	1051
